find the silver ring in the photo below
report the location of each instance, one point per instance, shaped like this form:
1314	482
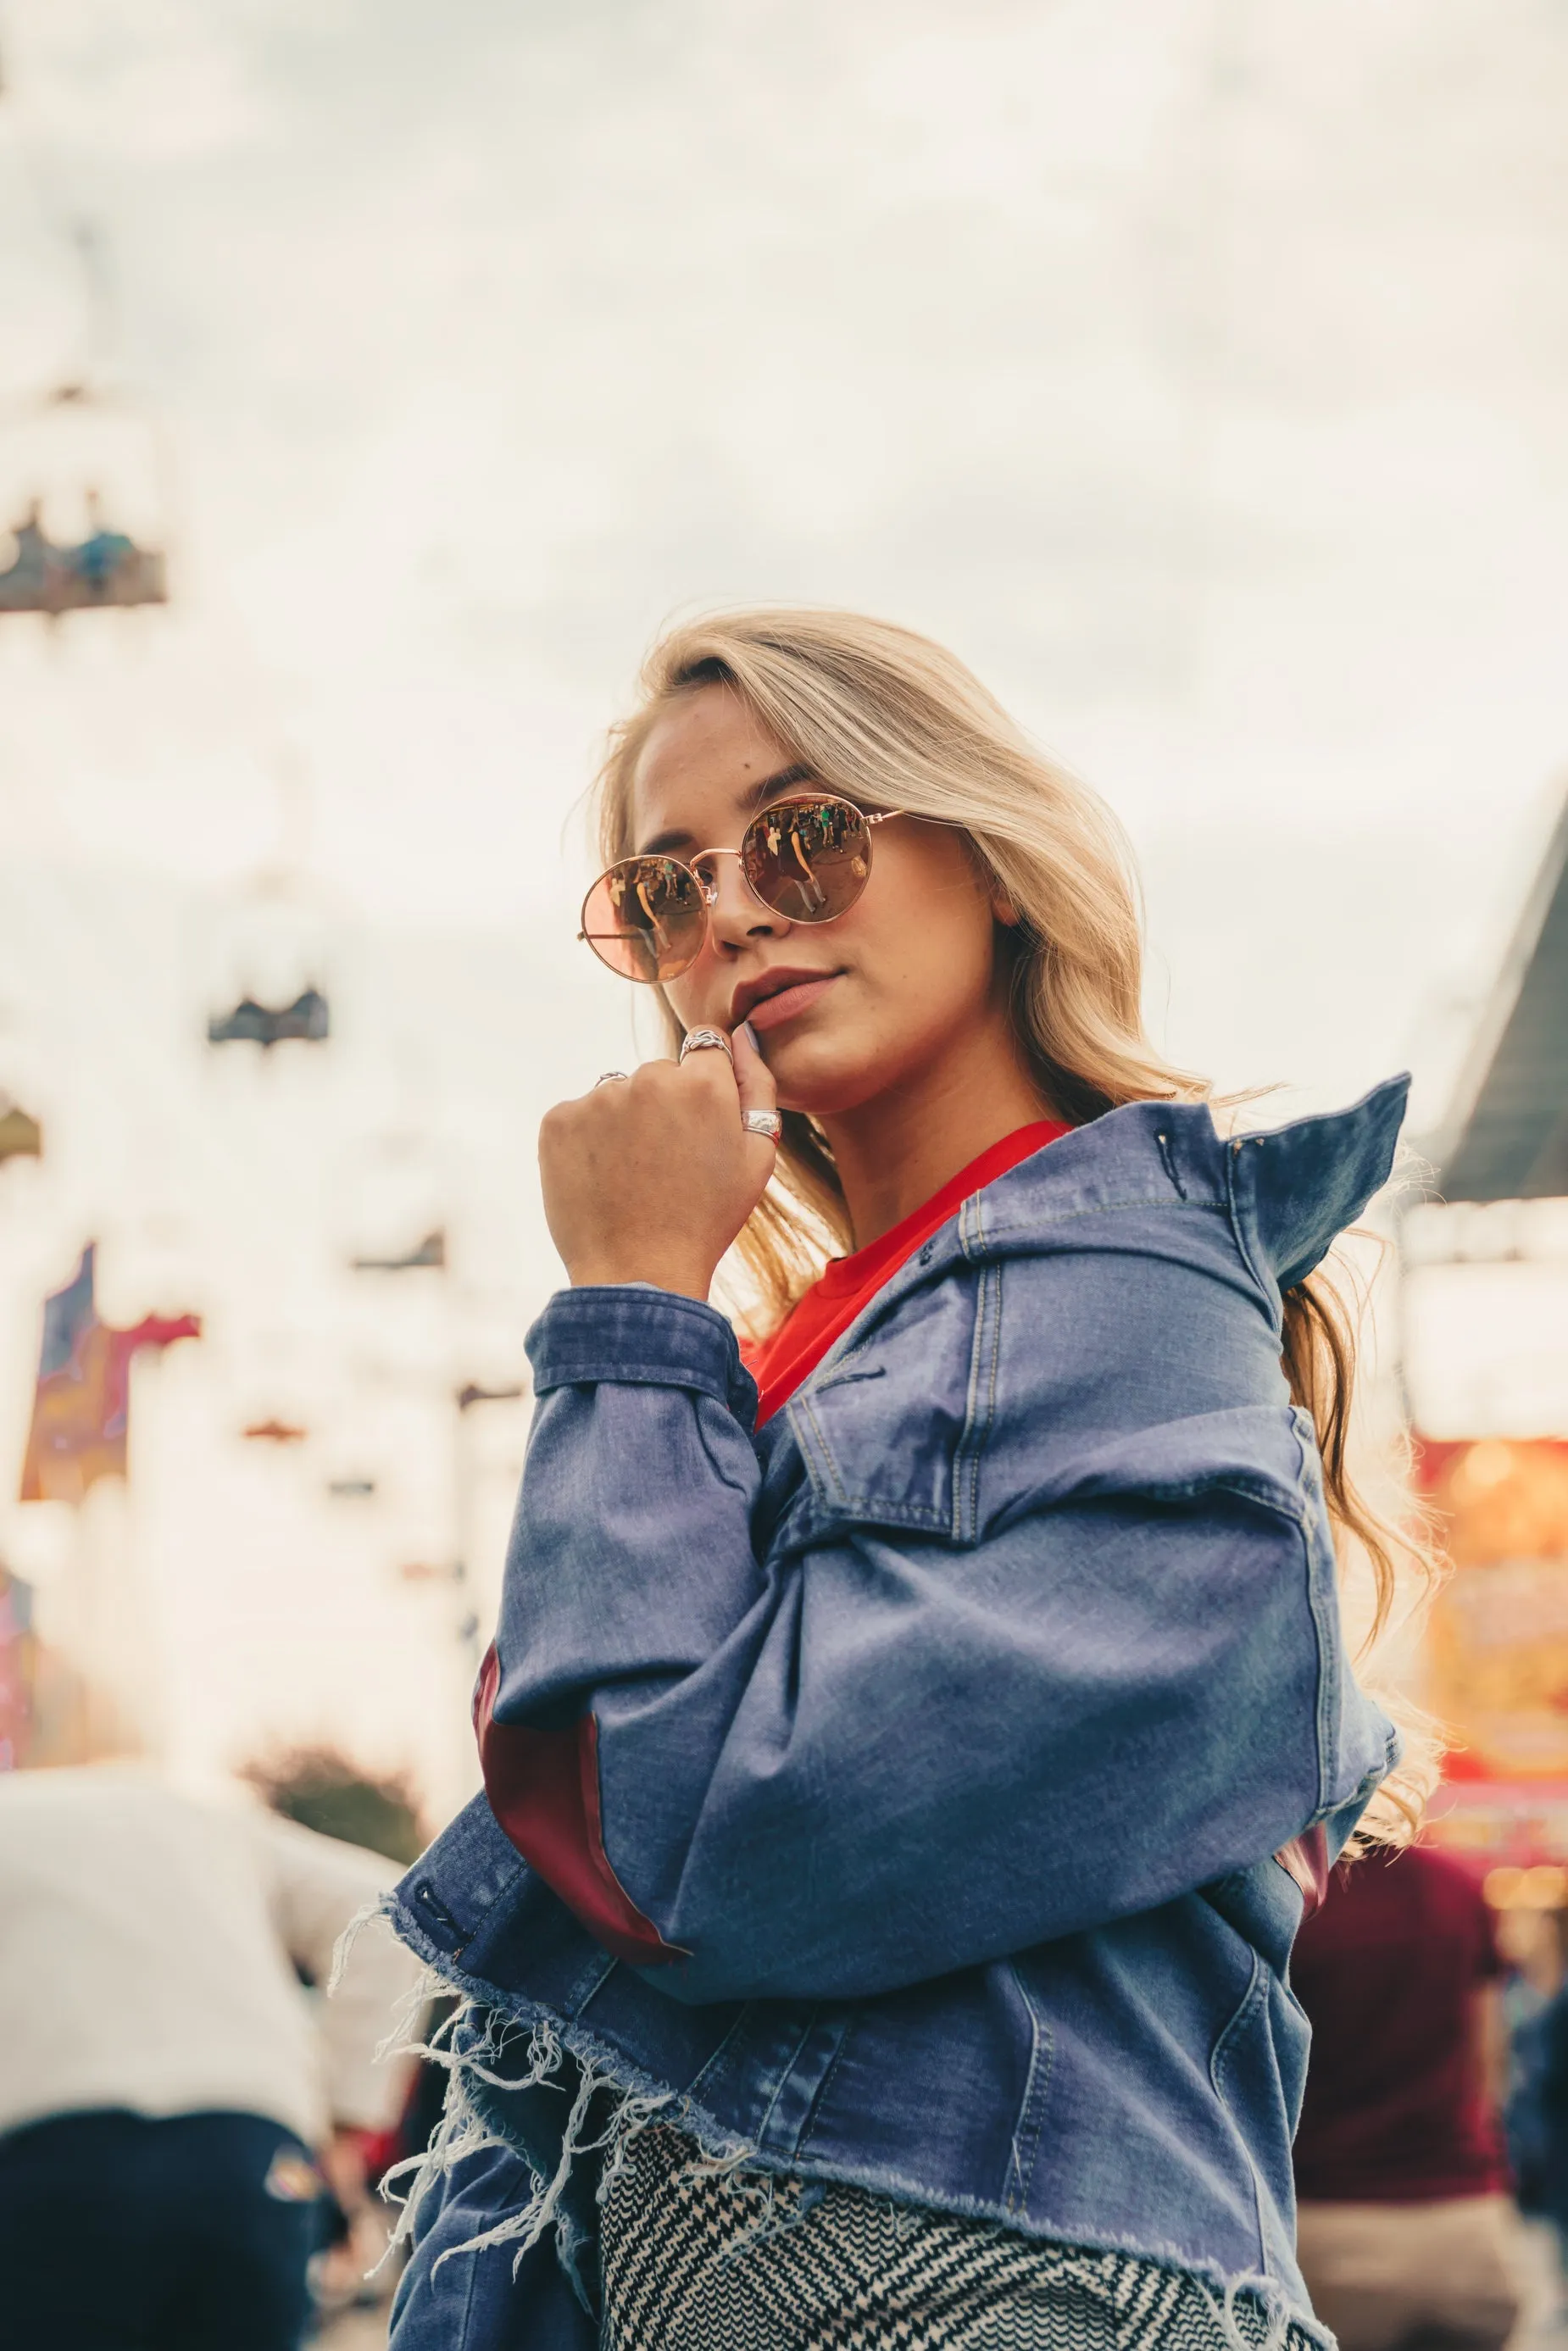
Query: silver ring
702	1041
763	1122
612	1077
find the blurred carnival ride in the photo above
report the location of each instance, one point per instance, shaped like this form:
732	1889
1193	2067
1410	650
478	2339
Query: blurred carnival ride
105	567
78	424
307	1022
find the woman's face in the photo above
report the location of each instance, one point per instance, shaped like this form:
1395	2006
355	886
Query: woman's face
844	1010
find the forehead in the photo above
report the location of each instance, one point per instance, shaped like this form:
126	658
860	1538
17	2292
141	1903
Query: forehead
700	758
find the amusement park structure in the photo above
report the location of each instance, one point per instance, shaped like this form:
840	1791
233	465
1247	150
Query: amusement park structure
105	567
1494	1473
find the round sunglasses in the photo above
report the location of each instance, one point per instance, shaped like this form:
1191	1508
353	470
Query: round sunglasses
807	857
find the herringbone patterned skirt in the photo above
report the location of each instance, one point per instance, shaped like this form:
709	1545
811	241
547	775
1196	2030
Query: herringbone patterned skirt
699	2259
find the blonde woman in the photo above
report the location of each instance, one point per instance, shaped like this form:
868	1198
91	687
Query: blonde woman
910	1740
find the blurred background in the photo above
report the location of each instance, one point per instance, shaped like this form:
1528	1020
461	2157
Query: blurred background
375	380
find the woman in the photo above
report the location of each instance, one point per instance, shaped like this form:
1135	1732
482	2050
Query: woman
907	1757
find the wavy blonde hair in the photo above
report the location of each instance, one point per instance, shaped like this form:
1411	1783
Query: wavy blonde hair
889	719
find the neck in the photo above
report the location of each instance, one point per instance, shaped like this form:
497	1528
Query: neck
894	1152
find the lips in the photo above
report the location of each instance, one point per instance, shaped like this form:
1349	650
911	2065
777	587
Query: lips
778	996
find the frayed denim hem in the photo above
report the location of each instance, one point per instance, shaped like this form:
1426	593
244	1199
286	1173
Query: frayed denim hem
486	2029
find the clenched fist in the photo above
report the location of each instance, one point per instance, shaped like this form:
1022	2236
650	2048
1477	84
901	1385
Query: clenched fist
651	1178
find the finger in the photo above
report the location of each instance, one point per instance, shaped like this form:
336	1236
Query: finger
708	1069
752	1074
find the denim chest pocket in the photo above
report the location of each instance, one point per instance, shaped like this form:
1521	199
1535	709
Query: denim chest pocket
893	1432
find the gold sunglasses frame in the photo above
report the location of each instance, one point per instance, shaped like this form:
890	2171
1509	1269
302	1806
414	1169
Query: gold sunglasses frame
708	889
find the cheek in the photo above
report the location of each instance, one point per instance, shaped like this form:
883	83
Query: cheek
700	998
925	933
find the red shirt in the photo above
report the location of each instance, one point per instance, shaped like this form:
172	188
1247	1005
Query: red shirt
780	1362
1388	1971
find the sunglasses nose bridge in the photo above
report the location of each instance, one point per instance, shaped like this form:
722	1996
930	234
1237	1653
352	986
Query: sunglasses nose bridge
743	905
707	874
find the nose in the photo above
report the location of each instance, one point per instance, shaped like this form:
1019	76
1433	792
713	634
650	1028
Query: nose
736	915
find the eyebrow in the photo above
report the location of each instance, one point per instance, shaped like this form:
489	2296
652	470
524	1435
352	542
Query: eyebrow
755	796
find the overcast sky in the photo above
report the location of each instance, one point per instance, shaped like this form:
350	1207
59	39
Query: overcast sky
1197	371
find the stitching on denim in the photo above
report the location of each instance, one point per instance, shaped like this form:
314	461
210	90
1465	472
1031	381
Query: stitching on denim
785	2071
1251	2000
878	1509
595	1988
802	1404
1167	1155
846	1373
1252	1490
1102	1208
714	2066
820	2097
1267	1290
856	1505
875	1510
977	1425
622	1374
1323	1606
571	1307
1033	2095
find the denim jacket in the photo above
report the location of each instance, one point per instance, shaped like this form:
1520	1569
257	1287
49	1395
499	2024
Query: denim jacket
945	1729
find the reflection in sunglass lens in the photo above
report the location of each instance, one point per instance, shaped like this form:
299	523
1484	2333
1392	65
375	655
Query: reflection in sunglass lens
808	859
646	918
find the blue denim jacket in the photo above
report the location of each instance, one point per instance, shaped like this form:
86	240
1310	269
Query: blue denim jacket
947	1727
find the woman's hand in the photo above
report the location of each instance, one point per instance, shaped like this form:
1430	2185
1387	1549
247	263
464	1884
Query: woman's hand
649	1179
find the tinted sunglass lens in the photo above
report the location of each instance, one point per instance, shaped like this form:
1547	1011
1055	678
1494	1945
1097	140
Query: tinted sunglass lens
808	859
646	918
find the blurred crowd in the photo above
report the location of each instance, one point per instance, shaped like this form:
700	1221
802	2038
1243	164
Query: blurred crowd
193	2133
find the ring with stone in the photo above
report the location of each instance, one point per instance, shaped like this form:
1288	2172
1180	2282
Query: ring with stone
763	1122
704	1040
611	1078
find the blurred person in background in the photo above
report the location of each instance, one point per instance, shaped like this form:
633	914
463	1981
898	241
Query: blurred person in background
329	1792
1536	2001
166	2086
1407	2233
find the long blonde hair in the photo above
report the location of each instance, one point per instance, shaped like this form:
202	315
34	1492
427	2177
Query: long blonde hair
886	716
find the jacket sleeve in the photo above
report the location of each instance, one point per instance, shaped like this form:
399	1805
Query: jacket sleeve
874	1753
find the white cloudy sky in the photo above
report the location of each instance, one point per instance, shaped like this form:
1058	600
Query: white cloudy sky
1198	368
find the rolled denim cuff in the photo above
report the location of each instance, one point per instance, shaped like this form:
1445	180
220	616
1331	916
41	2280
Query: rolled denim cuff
638	1335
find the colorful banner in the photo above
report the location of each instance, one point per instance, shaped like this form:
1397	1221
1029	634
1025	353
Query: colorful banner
81	1405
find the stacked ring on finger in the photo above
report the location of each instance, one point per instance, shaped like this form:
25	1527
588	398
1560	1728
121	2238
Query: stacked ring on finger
611	1078
704	1040
763	1122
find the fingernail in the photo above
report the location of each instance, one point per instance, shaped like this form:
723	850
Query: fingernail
750	1035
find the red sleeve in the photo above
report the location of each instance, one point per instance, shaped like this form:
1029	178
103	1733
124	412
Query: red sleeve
543	1788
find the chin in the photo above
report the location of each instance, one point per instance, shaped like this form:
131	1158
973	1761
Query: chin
815	1075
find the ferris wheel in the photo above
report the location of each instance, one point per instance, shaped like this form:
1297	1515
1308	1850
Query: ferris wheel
63	437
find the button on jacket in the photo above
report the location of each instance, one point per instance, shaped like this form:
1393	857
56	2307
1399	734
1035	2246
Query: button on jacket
933	1745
